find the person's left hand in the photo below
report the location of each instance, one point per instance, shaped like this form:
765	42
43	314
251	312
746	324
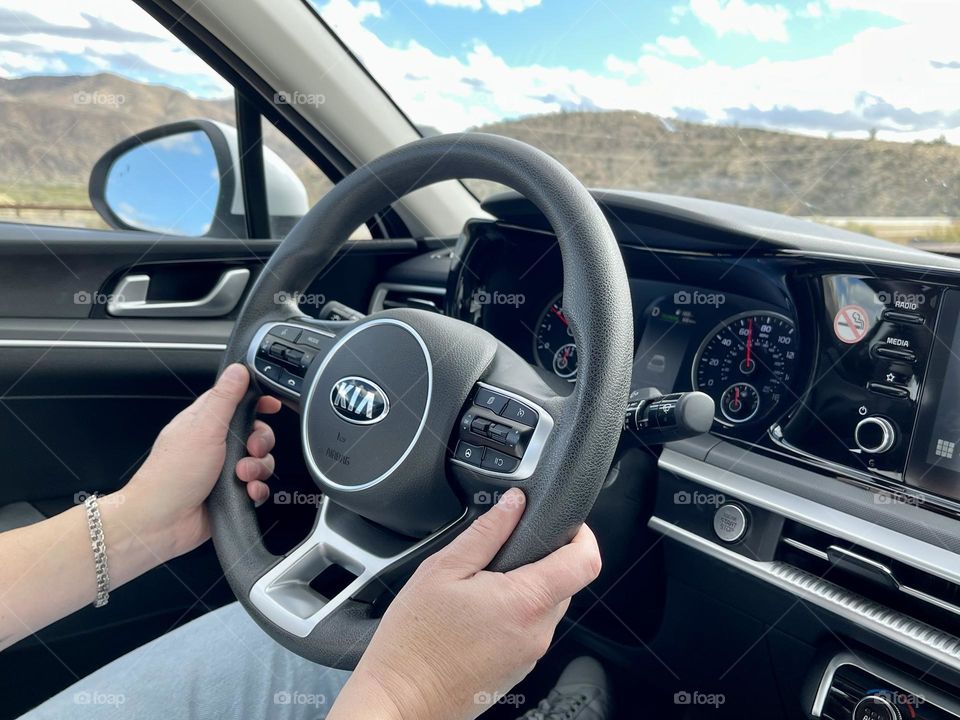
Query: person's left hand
165	498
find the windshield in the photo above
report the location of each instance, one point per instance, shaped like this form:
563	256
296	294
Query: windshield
844	111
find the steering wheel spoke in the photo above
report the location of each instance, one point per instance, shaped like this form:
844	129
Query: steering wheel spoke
346	560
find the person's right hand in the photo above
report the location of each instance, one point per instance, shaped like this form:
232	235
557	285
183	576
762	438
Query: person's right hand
458	637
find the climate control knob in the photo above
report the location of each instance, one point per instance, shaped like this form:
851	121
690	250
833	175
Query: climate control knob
876	707
875	435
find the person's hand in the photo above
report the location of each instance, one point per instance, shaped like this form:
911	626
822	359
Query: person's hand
457	637
165	498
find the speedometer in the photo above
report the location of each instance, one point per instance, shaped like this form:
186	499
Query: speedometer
746	365
553	343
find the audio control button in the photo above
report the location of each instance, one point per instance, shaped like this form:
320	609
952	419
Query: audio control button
875	435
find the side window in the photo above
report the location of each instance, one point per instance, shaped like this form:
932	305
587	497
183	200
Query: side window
129	129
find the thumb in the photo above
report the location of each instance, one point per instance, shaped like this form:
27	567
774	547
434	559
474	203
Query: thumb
218	404
476	546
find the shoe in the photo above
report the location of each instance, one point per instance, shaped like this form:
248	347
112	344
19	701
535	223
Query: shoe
581	693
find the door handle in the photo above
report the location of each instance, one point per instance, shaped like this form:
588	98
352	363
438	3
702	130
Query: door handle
130	298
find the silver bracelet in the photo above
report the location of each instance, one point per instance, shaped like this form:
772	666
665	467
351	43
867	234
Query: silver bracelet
99	546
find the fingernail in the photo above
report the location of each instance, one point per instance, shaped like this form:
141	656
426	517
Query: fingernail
512	498
233	373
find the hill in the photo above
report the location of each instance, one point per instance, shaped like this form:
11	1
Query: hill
54	128
785	172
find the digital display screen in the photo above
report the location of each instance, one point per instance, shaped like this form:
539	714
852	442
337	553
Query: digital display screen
943	443
934	463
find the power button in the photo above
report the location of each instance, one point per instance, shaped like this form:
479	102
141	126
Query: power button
730	523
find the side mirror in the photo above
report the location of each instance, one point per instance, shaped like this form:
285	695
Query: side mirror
184	179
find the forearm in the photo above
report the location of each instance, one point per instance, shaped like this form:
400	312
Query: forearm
48	568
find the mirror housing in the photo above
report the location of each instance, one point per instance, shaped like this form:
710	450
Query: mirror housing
205	199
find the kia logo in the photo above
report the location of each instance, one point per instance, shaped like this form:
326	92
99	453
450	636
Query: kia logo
359	401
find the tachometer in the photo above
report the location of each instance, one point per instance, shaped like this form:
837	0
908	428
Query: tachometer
553	345
745	364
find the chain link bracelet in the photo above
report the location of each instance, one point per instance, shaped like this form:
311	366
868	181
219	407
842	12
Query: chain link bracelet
99	546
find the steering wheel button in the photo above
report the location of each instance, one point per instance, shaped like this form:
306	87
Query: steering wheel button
268	369
480	426
501	462
498	432
291	381
472	454
287	332
490	400
278	350
520	413
314	340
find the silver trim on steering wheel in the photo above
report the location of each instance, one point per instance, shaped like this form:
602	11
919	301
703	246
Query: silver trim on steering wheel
283	594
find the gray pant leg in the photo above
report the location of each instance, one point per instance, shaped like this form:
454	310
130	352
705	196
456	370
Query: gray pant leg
221	665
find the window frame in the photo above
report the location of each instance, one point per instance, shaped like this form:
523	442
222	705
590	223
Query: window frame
253	96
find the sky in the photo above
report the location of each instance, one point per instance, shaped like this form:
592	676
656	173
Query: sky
840	67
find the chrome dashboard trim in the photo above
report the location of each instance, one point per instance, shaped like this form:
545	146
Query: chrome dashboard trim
111	345
909	550
888	675
924	639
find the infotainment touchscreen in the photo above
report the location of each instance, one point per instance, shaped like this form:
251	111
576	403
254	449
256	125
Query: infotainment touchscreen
934	463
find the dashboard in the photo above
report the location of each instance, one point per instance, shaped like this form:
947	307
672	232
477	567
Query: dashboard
821	359
830	479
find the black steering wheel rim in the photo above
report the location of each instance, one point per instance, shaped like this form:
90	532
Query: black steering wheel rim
586	426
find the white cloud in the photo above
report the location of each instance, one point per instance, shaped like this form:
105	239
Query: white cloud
766	23
500	7
675	46
812	10
882	78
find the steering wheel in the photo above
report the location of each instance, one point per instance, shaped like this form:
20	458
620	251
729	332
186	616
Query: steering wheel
412	422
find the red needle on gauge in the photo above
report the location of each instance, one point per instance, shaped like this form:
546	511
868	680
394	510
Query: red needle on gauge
559	313
749	362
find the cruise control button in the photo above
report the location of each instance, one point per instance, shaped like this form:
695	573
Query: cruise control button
267	368
520	413
480	426
490	400
293	356
278	350
498	432
291	381
287	332
501	462
472	454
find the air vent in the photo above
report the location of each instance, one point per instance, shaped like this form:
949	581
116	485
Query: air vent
390	296
871	574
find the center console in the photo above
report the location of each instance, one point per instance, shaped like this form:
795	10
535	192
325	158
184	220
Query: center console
883	403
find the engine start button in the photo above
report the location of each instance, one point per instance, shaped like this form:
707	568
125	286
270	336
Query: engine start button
730	523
